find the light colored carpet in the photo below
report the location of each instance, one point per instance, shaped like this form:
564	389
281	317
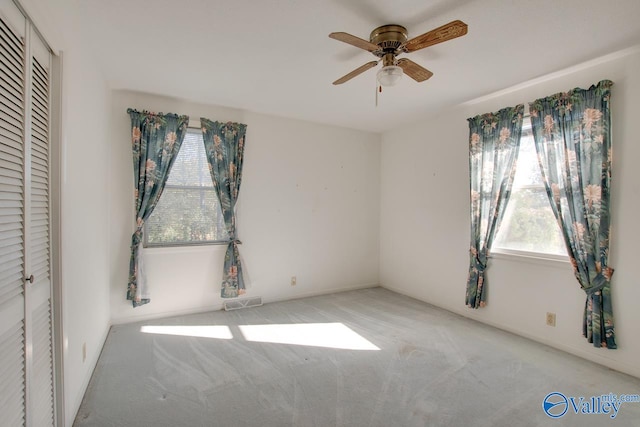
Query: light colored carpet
415	365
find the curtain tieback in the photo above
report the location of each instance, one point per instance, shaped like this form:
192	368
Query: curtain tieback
599	282
235	241
136	239
478	265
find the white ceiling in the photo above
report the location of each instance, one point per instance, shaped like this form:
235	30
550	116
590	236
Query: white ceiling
274	56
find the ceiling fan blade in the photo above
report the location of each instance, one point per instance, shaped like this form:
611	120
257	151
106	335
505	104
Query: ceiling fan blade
413	70
441	34
355	41
361	69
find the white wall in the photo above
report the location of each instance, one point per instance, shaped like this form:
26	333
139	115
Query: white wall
424	237
309	207
85	177
84	222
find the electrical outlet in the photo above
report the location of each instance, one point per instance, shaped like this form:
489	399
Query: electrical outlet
551	319
294	280
84	351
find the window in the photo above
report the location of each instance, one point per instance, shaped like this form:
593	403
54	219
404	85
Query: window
529	226
188	212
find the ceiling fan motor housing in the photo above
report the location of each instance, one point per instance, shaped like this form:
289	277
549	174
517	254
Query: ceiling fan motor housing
389	37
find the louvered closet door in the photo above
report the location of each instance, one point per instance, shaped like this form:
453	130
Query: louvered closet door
12	221
38	293
26	351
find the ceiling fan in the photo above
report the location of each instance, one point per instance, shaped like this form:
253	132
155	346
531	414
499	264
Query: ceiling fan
389	41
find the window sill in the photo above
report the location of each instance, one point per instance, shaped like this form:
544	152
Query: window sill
191	248
559	261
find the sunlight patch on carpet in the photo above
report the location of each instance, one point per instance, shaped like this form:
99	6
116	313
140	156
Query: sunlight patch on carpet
201	331
331	335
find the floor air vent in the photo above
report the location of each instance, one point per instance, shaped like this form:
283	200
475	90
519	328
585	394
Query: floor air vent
242	303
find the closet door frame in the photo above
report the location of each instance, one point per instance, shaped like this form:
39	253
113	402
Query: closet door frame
55	183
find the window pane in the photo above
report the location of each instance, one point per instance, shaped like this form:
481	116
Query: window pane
188	210
190	167
527	169
186	215
529	224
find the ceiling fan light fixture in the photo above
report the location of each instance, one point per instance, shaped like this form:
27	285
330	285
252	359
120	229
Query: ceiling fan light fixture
389	75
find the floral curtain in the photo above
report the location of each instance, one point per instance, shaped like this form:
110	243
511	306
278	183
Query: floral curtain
156	140
572	134
494	140
224	146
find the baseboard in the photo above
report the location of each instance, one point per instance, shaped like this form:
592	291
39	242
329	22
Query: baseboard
219	306
93	362
161	315
595	358
634	371
268	299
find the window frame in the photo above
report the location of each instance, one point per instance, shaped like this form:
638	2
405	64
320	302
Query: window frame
519	254
147	244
